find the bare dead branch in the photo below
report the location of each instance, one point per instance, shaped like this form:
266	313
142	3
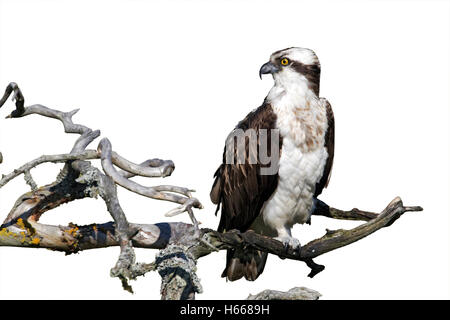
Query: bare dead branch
29	180
164	165
99	236
297	293
149	168
18	97
180	244
322	209
148	163
92	181
333	239
177	268
157	192
57	158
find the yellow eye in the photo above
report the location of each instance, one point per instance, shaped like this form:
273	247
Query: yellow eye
284	62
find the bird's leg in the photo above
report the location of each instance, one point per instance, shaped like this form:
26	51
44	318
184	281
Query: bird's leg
285	236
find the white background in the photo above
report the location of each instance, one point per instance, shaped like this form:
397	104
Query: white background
170	79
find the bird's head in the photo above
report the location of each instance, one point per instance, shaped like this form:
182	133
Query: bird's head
291	65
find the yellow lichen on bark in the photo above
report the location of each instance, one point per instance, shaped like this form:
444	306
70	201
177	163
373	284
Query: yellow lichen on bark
5	233
21	224
35	241
22	236
72	231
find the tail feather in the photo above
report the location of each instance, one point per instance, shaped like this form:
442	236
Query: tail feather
244	263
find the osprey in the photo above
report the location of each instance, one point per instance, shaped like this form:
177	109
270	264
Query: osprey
270	204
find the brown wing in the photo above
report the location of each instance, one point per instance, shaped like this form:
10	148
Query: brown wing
329	144
239	189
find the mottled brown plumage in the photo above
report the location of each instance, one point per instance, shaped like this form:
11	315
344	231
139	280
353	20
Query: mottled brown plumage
240	190
329	145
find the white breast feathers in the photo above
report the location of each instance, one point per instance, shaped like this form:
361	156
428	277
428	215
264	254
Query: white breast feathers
302	121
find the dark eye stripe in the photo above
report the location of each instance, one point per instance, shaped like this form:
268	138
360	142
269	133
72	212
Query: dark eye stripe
311	72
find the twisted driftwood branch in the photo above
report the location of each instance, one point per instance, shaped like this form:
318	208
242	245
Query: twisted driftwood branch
181	244
79	179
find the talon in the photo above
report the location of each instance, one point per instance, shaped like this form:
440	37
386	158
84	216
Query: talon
290	242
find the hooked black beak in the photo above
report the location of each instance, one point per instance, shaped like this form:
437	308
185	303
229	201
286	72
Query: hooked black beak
268	67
